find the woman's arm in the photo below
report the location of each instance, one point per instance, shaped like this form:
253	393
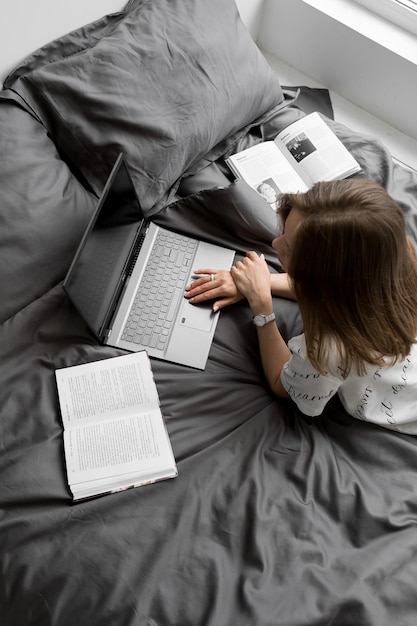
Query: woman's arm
252	279
281	286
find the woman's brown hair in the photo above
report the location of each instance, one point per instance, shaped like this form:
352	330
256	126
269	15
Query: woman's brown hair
354	273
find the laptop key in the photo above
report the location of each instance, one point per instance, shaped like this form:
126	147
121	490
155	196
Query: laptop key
173	306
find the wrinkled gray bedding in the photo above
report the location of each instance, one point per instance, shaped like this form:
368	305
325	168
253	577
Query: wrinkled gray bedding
273	519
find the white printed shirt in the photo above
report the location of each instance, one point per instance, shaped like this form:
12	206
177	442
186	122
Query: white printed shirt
384	395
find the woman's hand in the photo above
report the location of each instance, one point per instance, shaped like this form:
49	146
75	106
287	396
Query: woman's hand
221	288
253	280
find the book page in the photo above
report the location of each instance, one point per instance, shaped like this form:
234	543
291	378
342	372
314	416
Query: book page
317	151
124	448
102	389
265	168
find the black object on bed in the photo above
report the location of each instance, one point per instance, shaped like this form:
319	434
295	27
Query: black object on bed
273	519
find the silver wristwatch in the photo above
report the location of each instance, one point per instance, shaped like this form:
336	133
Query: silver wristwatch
261	320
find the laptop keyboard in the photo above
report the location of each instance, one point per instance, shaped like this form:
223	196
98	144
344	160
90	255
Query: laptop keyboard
162	286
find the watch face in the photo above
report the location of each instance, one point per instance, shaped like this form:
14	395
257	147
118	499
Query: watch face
261	320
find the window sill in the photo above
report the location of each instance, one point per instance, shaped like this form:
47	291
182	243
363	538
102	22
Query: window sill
402	148
355	54
370	25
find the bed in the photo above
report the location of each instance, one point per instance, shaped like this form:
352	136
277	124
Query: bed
273	519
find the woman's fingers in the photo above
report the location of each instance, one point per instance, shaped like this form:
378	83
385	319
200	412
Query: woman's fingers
215	284
207	282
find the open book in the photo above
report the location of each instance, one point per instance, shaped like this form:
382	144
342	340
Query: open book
305	152
114	433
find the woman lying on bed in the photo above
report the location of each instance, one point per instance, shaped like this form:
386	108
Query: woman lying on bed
353	271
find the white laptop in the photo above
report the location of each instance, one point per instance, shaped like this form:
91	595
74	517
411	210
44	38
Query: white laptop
112	277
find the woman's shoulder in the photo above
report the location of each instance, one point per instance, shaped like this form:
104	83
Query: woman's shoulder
330	349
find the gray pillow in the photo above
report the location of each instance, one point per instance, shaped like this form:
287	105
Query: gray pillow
166	82
43	210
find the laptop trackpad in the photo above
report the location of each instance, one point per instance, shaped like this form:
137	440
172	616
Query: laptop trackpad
196	316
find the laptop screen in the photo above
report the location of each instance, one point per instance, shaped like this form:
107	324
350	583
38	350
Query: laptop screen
96	276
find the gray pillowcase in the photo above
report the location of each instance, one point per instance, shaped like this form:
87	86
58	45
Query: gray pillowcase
43	210
166	82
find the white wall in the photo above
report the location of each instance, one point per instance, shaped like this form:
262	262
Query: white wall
251	14
29	24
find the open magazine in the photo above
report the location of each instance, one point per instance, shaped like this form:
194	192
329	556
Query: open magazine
114	433
305	152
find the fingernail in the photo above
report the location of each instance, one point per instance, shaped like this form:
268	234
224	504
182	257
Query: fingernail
215	308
